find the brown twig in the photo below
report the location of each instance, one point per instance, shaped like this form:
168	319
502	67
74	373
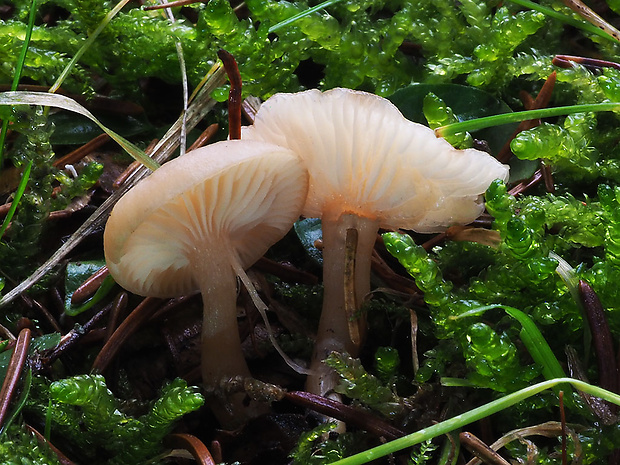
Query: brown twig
88	288
72	337
216	449
285	271
563	423
48	316
193	445
567	61
536	178
204	136
62	459
350	415
547	176
599	407
119	305
392	279
139	315
413	332
118	182
13	372
601	337
234	95
481	450
79	153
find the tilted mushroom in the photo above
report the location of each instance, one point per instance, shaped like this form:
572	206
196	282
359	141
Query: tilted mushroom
369	168
196	224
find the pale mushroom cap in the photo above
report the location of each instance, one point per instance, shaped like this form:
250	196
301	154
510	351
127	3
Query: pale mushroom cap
364	157
239	194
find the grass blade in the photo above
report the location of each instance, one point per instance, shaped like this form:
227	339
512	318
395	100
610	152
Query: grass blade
89	41
307	12
66	103
471	416
536	344
18	195
19	66
518	116
532	338
200	106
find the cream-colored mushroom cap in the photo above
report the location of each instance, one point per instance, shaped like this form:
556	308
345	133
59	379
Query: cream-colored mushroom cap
365	158
236	197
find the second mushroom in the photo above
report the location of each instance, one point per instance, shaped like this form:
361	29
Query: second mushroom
196	224
369	168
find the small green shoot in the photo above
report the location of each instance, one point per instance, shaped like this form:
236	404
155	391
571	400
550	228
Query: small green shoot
424	454
87	413
438	114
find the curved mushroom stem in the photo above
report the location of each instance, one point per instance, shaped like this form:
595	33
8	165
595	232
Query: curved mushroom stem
337	331
222	356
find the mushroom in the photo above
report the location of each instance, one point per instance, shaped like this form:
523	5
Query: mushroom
369	168
196	224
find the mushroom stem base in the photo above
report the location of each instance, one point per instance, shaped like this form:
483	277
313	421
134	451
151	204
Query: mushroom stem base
337	332
222	357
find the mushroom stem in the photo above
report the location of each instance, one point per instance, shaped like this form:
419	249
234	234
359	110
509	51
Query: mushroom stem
337	333
222	356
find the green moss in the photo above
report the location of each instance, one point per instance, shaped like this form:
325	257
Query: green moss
20	446
91	421
313	449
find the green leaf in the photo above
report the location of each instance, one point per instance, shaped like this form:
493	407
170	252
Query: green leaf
536	344
466	103
531	337
76	274
521	169
309	231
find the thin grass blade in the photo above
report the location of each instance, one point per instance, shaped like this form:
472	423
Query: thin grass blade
517	116
66	103
16	198
19	66
471	416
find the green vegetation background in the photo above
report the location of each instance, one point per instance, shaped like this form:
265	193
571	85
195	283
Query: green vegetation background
379	46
